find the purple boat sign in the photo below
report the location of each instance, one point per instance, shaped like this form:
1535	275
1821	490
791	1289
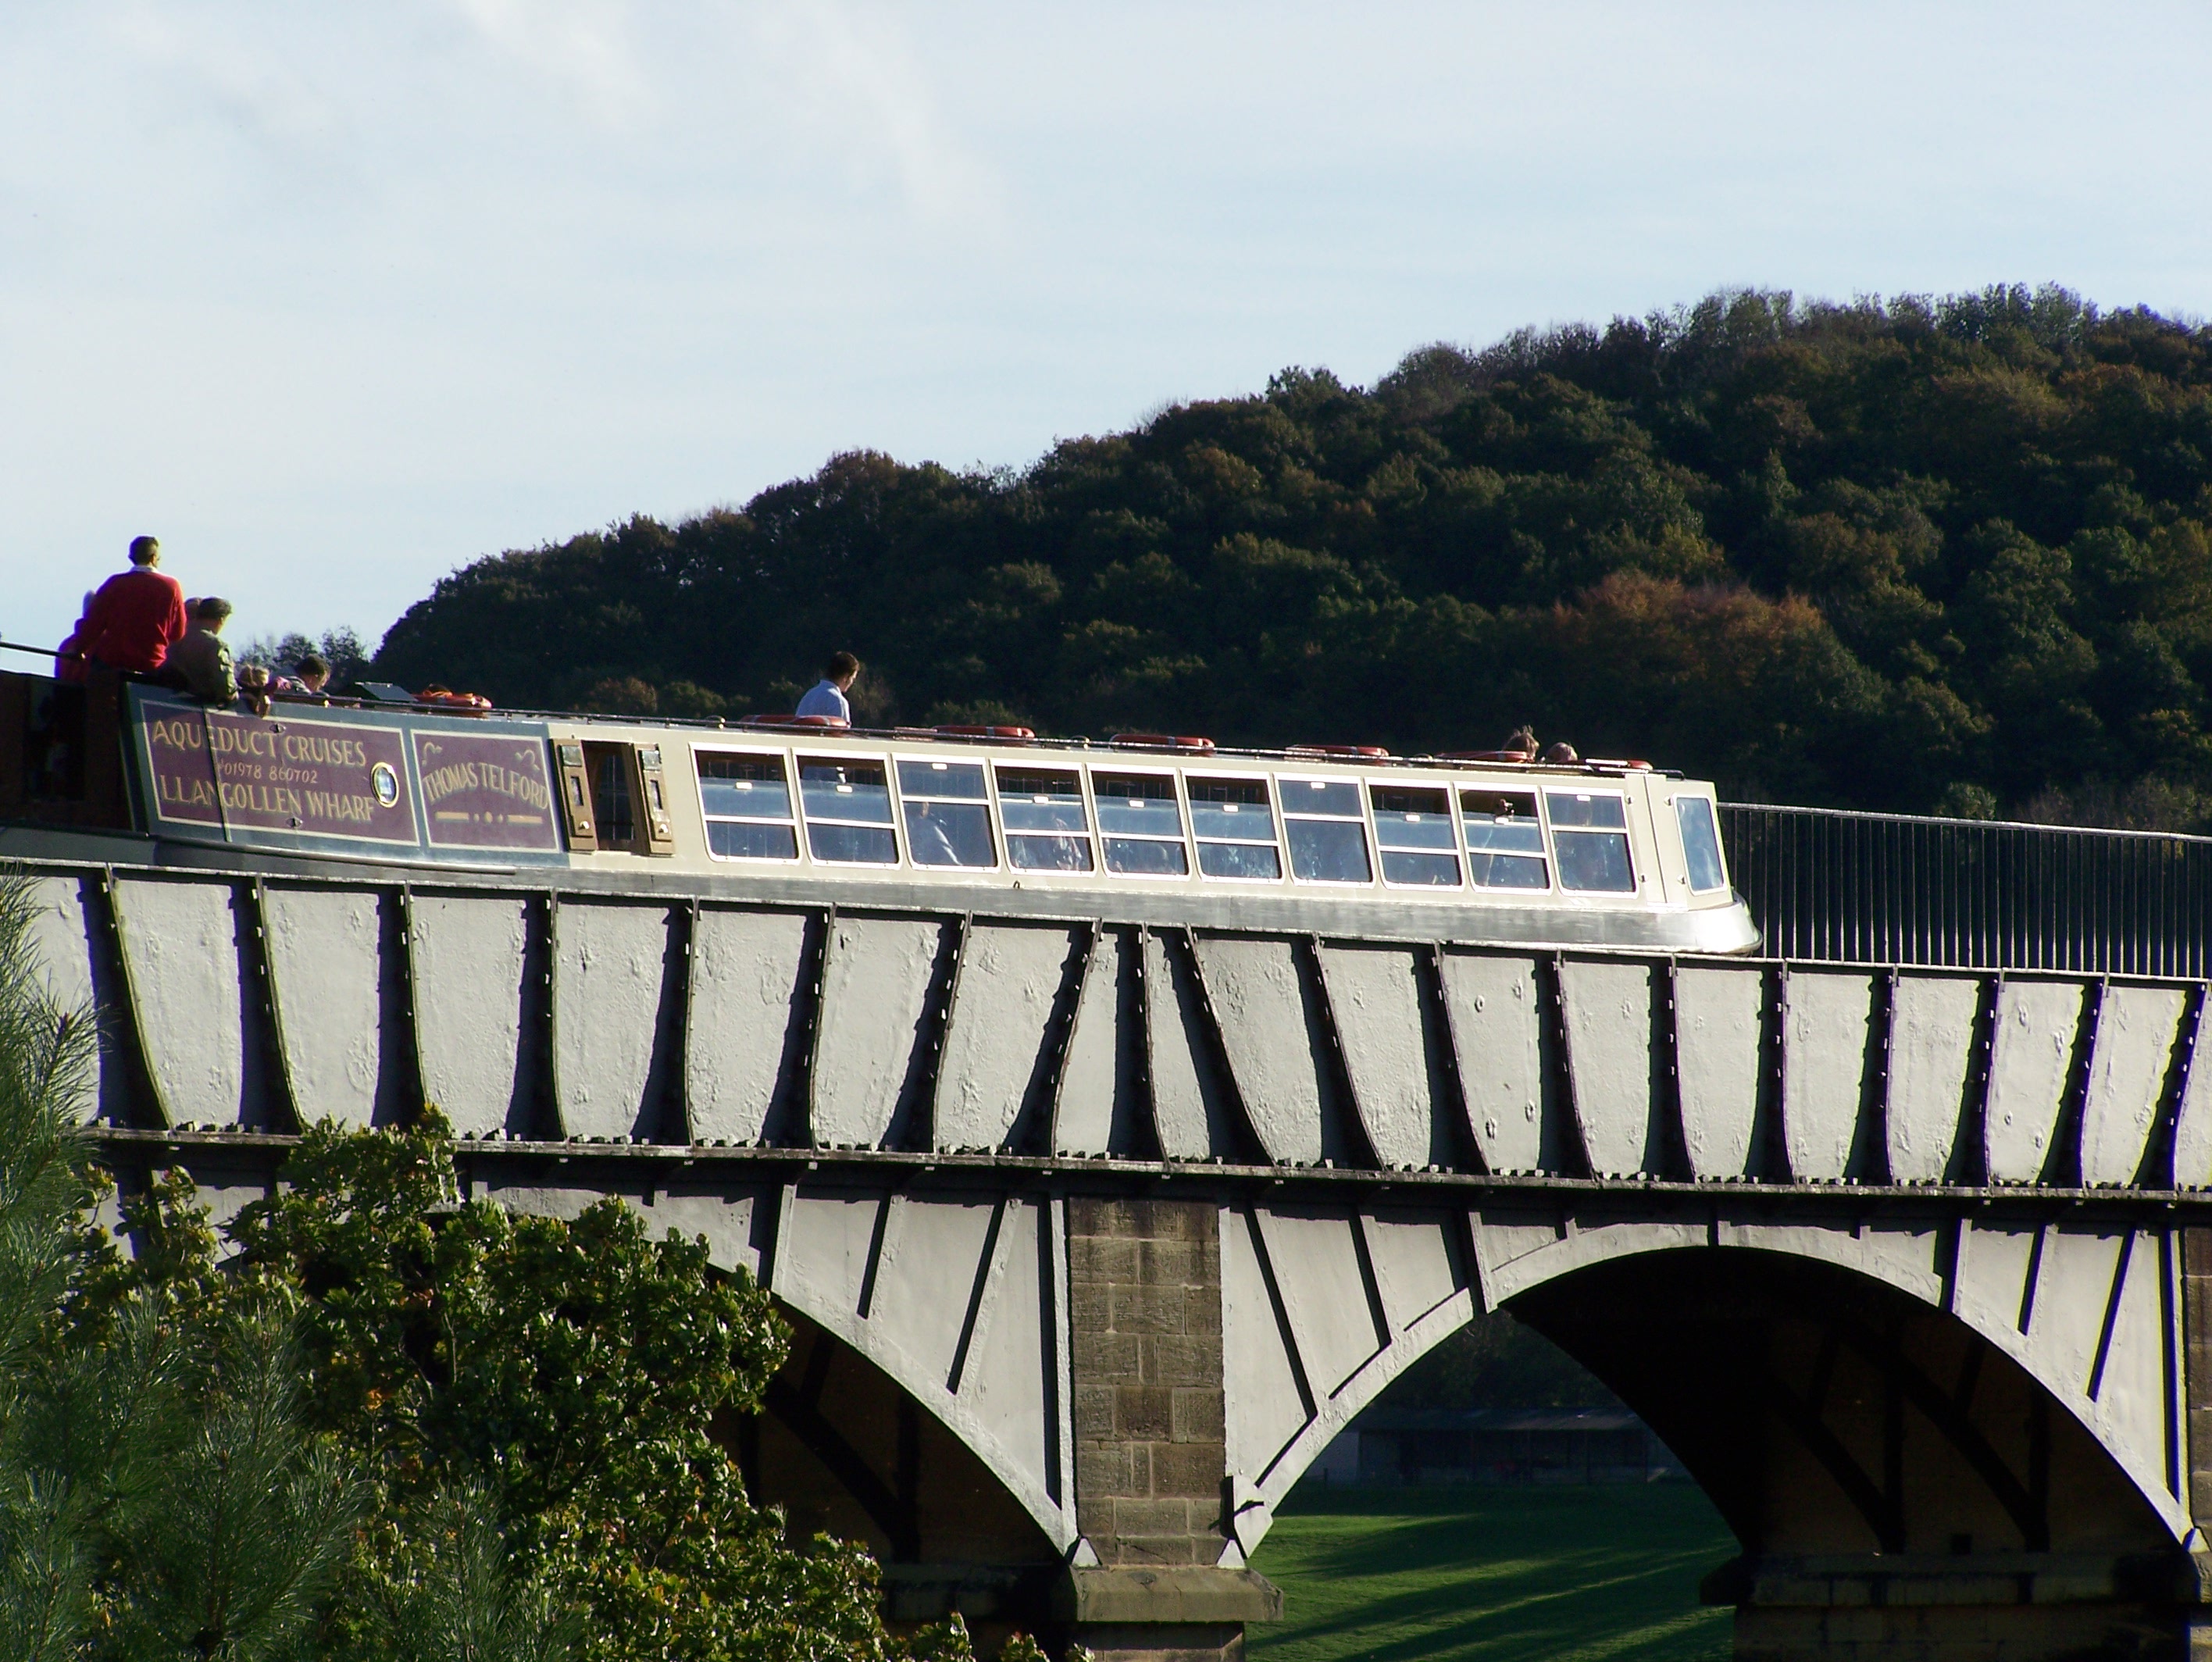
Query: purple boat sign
486	791
218	769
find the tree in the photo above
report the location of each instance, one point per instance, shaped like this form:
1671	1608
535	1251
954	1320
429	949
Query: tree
1971	530
47	1558
341	648
568	1375
388	1427
158	1496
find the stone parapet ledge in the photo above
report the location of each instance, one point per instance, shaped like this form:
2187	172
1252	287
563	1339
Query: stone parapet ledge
1180	1595
1893	1580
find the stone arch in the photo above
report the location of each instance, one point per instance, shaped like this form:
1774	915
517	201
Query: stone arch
1323	1306
956	1297
1826	1411
923	1421
2087	1307
847	1450
953	1294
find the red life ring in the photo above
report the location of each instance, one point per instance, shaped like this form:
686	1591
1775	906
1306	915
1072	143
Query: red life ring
1164	741
1354	752
1485	756
469	704
968	730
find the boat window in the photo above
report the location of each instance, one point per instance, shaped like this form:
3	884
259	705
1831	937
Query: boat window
1590	830
1326	832
1413	830
1701	844
1141	824
1047	827
747	803
1505	839
948	814
847	804
1235	826
613	803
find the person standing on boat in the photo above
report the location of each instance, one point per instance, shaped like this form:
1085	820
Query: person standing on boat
137	616
827	696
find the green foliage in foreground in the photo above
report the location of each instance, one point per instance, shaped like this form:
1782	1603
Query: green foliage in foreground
1504	1574
568	1371
1908	554
388	1427
160	1496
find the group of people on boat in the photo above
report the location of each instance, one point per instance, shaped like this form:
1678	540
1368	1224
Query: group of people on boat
828	701
140	623
1523	741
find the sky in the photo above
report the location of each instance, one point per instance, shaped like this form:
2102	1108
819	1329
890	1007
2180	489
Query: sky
336	300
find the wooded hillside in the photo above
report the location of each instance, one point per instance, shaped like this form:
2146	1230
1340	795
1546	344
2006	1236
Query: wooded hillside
1908	554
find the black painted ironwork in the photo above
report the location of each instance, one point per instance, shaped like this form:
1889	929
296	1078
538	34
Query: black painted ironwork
1852	888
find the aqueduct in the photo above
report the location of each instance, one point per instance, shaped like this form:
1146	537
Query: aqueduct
1095	1230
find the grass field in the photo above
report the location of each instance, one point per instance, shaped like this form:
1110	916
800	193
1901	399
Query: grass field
1498	1575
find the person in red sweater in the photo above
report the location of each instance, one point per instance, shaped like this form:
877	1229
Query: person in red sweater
137	616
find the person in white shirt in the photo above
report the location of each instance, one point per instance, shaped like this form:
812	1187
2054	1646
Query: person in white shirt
827	696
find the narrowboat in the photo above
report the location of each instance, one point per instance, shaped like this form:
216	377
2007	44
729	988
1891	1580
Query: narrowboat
1473	847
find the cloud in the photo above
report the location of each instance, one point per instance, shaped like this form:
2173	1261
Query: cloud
263	96
583	47
861	86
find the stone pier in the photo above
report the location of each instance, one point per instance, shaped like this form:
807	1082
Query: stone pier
1151	1469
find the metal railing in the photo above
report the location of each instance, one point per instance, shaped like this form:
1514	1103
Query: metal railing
1885	888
